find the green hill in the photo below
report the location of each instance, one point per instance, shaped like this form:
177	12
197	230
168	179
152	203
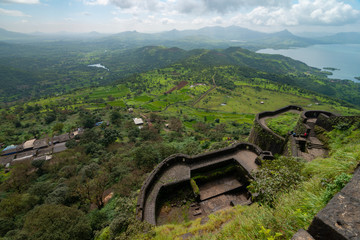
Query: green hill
31	70
191	101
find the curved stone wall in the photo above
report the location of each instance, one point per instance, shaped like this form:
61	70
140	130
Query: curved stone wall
315	114
153	176
177	168
181	165
264	137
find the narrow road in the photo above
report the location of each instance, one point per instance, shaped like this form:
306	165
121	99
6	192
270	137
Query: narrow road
206	93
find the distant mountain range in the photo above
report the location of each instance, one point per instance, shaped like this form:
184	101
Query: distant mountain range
208	37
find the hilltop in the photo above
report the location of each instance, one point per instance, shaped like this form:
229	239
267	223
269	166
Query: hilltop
32	71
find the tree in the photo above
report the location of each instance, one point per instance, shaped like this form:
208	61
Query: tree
20	176
175	124
56	222
58	127
110	136
88	119
50	117
115	117
93	184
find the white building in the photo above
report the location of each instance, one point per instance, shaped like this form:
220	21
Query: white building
138	122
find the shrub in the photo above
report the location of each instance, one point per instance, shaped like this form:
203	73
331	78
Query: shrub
332	188
274	177
194	187
57	222
71	143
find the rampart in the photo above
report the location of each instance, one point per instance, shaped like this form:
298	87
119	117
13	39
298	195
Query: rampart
328	122
264	137
182	165
177	169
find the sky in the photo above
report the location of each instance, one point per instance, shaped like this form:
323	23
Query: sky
113	16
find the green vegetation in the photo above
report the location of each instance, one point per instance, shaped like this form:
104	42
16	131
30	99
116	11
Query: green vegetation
194	187
291	209
204	177
275	177
283	124
32	71
98	177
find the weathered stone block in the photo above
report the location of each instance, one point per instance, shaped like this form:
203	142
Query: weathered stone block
302	235
339	220
352	189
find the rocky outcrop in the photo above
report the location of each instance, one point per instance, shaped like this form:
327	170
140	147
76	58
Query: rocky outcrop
302	235
340	219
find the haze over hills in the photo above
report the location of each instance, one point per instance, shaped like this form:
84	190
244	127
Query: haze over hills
208	37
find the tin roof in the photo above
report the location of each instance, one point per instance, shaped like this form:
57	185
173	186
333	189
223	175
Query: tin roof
29	144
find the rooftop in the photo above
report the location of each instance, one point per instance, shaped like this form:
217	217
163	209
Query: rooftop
138	121
29	144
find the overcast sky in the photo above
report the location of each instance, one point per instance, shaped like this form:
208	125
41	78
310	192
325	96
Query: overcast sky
110	16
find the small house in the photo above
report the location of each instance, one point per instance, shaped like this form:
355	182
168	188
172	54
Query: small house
29	144
76	133
41	143
59	147
11	149
24	156
61	138
138	122
45	151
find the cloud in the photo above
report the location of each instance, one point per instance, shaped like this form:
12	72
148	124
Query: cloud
21	1
305	12
96	2
240	12
13	13
85	14
224	7
234	5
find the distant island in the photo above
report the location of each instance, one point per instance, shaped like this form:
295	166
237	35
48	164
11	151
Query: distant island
331	68
357	78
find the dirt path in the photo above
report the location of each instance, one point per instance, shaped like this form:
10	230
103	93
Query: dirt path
206	93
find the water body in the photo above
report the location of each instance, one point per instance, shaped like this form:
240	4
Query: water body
344	57
98	65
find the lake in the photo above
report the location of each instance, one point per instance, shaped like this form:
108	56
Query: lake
345	57
98	65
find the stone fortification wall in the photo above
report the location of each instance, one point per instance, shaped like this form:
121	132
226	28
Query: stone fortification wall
304	125
265	138
190	161
153	177
328	122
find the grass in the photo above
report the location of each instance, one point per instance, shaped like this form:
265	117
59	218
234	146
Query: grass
283	123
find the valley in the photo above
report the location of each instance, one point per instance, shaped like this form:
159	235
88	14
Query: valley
191	102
